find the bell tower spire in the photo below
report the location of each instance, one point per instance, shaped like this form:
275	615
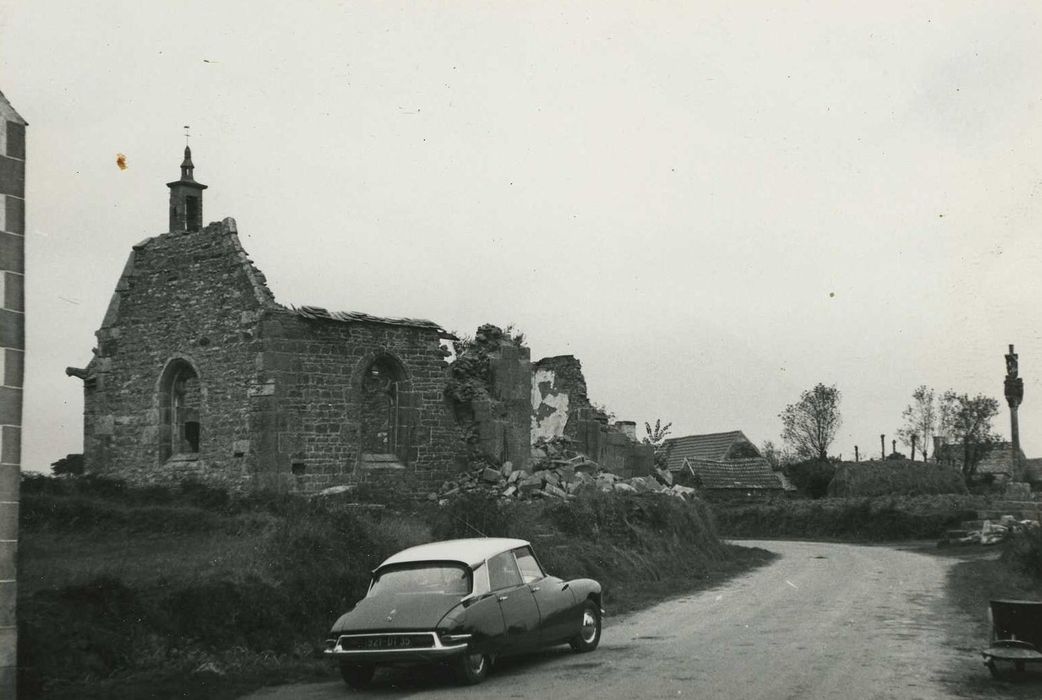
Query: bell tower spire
186	198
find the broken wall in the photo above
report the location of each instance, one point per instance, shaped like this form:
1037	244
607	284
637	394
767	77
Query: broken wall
562	408
491	387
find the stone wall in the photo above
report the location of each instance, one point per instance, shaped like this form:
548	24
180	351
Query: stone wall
187	299
277	394
490	386
562	408
309	426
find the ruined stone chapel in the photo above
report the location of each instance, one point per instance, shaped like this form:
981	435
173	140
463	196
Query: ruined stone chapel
200	374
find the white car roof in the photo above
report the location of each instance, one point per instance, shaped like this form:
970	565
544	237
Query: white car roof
470	552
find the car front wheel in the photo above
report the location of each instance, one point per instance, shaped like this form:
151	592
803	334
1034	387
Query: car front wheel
357	675
589	635
471	668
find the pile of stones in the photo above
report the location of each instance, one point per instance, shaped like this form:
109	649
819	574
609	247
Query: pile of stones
555	471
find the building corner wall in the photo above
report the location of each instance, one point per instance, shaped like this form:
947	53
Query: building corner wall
12	362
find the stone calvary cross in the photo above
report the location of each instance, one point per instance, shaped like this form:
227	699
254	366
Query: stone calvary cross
1014	386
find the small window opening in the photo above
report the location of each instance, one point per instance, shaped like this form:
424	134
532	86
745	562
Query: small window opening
192	213
298	468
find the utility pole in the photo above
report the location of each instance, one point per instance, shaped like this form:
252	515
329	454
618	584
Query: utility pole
857	456
882	446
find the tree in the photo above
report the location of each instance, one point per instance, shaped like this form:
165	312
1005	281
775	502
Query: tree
778	457
967	420
656	437
809	426
921	418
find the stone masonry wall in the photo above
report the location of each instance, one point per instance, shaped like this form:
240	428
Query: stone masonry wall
308	426
193	297
561	408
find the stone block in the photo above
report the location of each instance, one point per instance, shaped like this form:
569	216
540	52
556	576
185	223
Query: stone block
492	476
555	491
104	425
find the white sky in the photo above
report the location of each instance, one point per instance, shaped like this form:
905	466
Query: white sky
671	192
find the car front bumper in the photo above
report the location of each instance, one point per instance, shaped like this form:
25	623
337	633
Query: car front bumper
371	652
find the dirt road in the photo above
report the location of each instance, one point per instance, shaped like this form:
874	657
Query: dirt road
823	621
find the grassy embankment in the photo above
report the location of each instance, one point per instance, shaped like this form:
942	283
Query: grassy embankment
881	501
157	592
883	519
1014	572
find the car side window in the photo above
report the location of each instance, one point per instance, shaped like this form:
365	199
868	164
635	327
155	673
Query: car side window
527	564
502	572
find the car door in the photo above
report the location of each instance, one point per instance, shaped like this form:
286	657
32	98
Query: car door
557	610
520	612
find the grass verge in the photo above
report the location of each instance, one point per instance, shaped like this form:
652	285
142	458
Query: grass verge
984	574
154	593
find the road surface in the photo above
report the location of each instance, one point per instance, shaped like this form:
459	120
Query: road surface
822	621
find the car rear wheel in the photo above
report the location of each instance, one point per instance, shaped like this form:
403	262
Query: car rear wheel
471	668
357	675
589	635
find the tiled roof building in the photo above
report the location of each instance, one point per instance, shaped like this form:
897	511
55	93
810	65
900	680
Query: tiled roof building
710	446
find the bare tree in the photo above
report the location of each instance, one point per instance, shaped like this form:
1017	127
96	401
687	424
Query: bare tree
778	457
810	424
921	419
967	420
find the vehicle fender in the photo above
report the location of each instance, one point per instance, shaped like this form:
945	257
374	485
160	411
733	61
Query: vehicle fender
481	618
583	588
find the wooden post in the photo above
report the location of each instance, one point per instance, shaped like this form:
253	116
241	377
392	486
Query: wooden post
914	438
857	457
882	446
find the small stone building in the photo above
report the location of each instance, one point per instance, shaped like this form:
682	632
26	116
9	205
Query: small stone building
199	373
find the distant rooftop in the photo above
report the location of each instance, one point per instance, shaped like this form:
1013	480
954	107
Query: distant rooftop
752	474
712	446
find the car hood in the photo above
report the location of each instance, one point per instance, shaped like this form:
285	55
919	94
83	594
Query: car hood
406	611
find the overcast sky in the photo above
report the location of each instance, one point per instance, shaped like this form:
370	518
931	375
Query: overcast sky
713	205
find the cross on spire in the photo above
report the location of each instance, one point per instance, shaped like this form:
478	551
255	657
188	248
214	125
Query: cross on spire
187	135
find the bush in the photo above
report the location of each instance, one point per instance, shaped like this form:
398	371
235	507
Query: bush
811	477
1022	551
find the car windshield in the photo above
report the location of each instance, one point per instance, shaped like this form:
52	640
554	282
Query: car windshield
448	579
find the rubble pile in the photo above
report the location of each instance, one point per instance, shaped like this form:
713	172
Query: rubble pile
556	471
989	532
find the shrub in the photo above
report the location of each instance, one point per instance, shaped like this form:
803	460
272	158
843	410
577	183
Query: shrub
1022	551
811	477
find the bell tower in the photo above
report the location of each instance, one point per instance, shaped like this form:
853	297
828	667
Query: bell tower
186	199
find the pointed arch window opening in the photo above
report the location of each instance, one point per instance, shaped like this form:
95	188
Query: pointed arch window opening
381	408
180	434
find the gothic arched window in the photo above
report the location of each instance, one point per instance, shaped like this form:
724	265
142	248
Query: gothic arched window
381	419
180	404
